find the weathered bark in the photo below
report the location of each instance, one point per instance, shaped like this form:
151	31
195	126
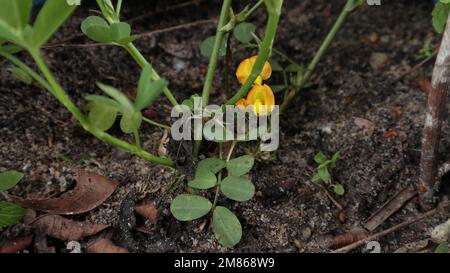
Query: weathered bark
435	113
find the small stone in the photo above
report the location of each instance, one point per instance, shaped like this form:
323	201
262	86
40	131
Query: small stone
306	234
378	60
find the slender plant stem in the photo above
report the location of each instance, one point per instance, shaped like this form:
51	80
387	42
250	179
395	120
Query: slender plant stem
142	62
274	11
53	87
149	121
252	9
224	14
302	79
28	70
137	140
230	152
219	179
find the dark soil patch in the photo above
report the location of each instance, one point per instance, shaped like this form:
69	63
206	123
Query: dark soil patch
39	137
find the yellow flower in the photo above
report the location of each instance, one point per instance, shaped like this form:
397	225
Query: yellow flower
262	99
245	68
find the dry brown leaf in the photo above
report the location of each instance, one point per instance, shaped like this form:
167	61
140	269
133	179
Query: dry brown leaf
91	191
103	245
65	229
16	244
148	211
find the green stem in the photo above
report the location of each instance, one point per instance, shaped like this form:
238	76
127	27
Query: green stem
301	80
224	14
137	140
219	179
149	121
142	62
255	7
265	50
60	94
28	70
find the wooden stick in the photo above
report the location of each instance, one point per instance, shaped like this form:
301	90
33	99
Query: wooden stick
390	230
436	109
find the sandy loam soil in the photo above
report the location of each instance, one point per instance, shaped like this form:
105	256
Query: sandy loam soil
39	137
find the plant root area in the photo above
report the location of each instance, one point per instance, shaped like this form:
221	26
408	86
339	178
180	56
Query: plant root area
355	104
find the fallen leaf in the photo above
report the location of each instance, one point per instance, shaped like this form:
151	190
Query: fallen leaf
390	134
103	245
65	229
424	84
365	124
148	211
91	191
17	244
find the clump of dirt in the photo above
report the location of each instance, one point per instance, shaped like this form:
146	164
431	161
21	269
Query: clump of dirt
40	138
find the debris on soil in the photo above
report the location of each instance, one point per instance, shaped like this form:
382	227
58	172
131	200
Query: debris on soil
65	229
148	211
91	191
103	245
332	242
17	244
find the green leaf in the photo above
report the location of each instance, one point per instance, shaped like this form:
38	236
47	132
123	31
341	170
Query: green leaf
204	179
9	179
226	227
212	164
128	40
97	29
21	75
188	207
10	213
320	158
148	91
120	31
15	13
442	248
107	101
102	116
7	32
240	165
295	68
440	15
243	32
335	157
118	96
324	174
130	122
237	188
50	18
276	66
339	189
207	46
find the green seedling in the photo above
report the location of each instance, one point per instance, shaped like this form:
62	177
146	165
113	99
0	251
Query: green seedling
323	172
10	214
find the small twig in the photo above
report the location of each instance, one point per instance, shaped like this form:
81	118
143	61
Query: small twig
392	229
140	17
389	208
334	201
144	34
419	65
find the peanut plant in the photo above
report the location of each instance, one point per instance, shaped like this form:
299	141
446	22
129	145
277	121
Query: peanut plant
222	174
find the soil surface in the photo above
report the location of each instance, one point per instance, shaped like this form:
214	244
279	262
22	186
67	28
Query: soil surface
357	78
